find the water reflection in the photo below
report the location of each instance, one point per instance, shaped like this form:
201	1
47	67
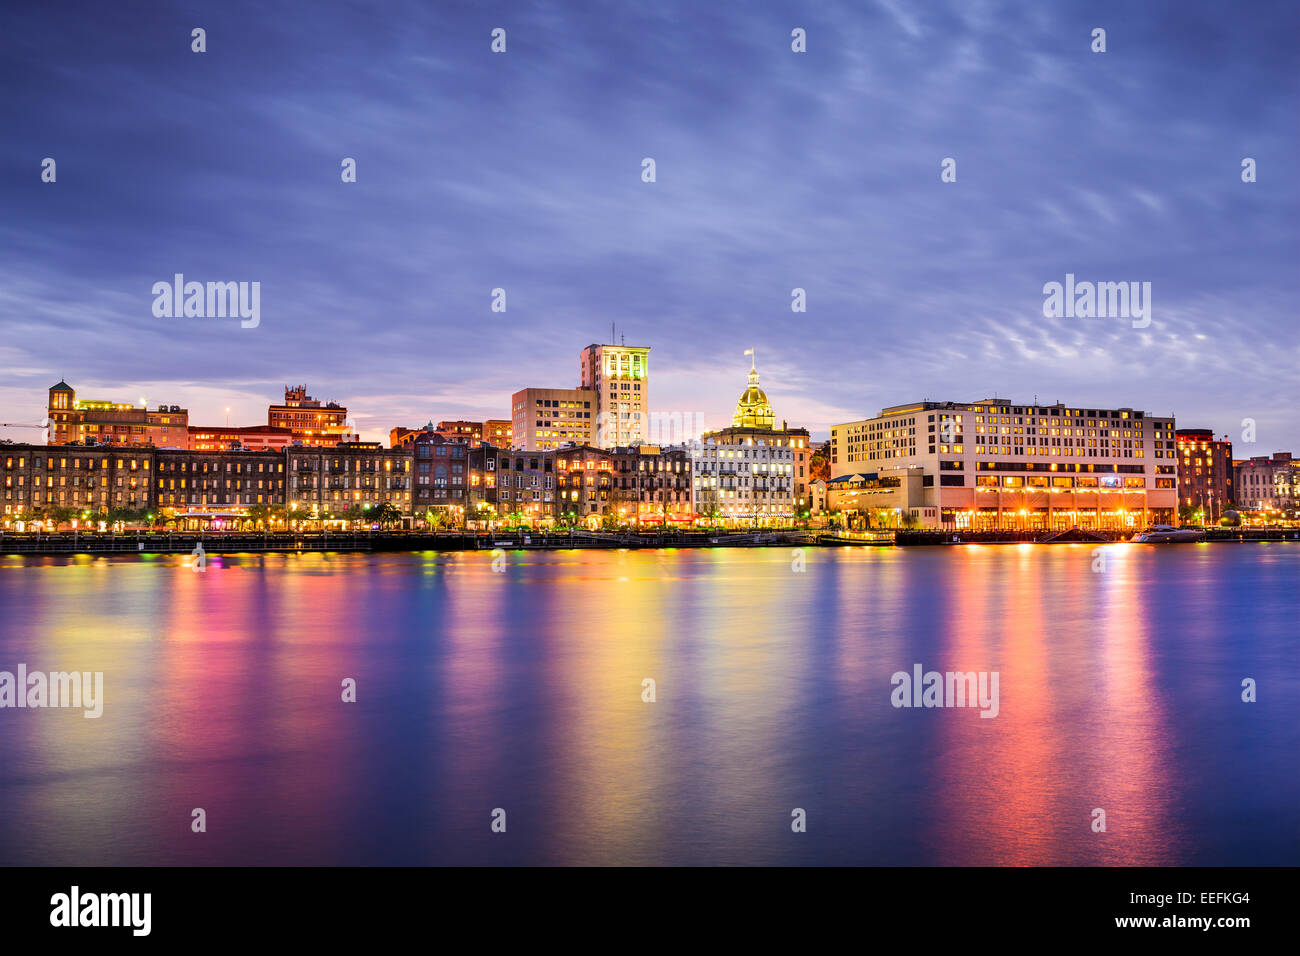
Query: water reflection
521	688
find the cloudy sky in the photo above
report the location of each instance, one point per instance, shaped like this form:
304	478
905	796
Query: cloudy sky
775	170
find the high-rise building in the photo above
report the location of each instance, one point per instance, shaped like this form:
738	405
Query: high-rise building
620	377
546	418
114	423
1205	480
311	421
996	464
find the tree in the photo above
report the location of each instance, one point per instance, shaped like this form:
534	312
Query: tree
126	516
385	514
819	465
356	514
57	515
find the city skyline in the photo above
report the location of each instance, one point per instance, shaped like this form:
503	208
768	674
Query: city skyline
775	171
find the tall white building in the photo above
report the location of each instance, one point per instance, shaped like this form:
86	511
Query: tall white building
620	377
998	464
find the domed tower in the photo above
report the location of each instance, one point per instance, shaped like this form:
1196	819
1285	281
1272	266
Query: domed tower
753	410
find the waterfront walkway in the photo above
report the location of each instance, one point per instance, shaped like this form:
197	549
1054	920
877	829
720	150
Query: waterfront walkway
234	542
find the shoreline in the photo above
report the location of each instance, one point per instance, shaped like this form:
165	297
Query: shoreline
406	541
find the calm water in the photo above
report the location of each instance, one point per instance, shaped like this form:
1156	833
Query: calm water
522	690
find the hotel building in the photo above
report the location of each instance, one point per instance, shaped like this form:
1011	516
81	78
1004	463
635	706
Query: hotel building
1205	479
311	421
620	377
113	423
547	418
996	464
746	474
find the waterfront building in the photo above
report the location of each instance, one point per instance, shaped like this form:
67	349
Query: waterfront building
96	480
746	474
214	486
113	423
1269	484
526	486
586	486
312	422
547	418
201	486
332	479
228	438
440	476
996	464
619	375
90	479
1205	475
665	491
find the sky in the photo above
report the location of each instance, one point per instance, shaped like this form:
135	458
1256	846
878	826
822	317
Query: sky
774	170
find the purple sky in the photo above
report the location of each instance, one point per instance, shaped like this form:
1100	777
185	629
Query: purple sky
775	170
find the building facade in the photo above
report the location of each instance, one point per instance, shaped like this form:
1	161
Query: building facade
498	433
330	480
1206	487
229	438
748	474
311	421
620	377
93	480
113	423
466	433
547	418
996	464
1269	484
216	485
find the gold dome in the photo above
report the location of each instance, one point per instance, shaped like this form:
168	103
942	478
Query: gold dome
753	410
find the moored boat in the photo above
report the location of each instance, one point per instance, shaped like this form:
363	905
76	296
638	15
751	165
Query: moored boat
1163	533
